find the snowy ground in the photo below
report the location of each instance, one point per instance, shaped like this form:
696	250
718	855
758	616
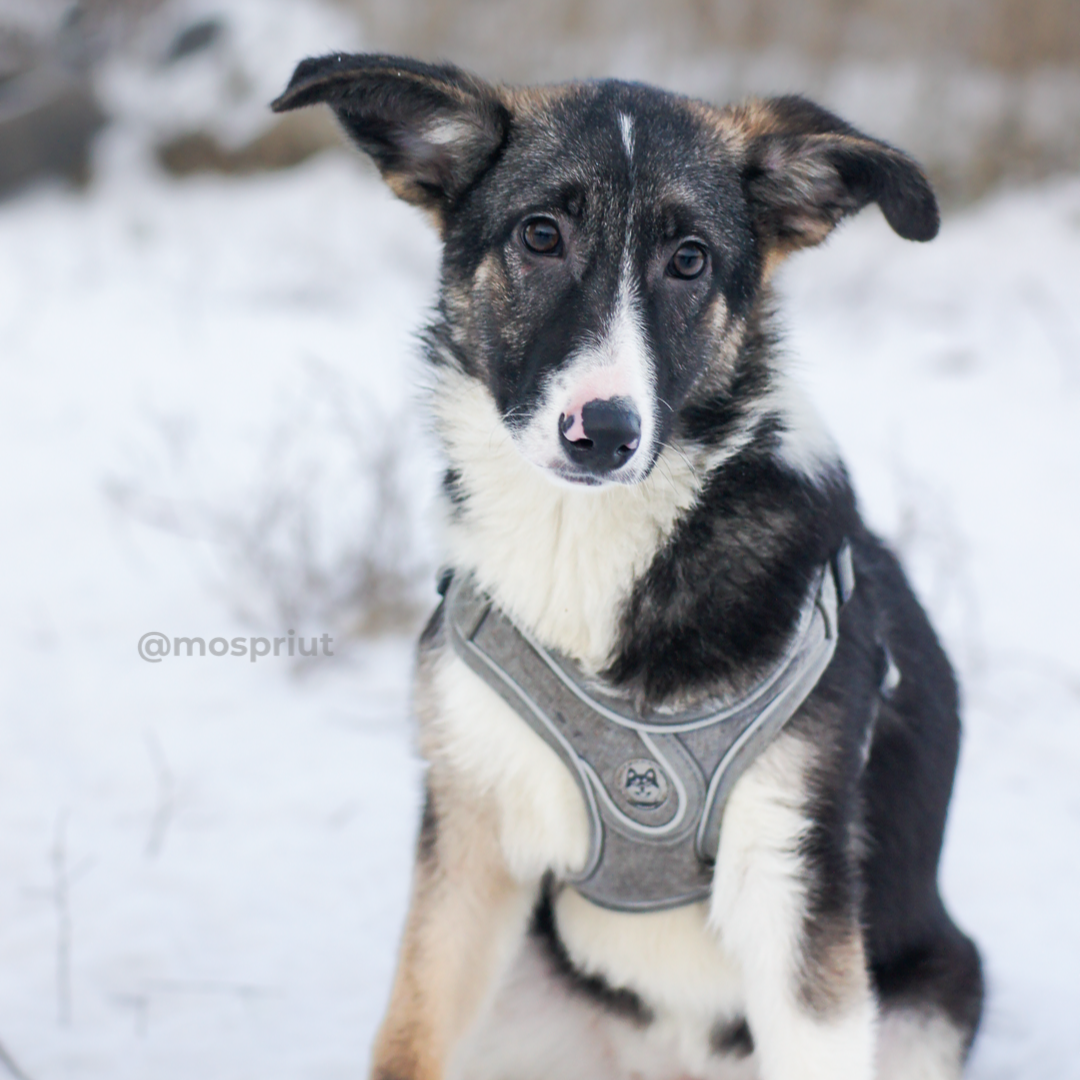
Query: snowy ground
205	861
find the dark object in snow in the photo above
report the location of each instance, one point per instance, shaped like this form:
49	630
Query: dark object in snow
47	124
48	113
195	39
290	141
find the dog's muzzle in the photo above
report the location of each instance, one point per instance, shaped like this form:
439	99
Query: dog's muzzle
602	436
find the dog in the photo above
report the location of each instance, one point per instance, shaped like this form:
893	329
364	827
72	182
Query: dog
648	516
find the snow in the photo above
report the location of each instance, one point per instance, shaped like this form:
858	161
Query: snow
222	89
206	860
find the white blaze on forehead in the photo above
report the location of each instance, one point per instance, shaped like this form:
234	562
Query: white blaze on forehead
626	126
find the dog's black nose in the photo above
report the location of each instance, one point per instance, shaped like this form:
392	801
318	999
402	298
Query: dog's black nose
603	437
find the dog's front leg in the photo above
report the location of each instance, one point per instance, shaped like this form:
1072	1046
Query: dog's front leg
787	910
465	918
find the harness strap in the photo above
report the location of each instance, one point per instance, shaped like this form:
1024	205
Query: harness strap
655	784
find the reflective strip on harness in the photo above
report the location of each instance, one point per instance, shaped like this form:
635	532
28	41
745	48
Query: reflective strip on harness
655	785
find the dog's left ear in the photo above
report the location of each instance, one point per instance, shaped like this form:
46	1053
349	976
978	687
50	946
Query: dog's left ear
806	169
431	129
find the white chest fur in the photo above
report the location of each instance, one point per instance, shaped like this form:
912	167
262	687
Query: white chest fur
559	560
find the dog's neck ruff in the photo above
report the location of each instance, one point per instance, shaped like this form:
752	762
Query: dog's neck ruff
655	785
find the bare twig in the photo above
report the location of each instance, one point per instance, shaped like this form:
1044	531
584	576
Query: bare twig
62	902
323	532
64	877
10	1064
209	988
139	1004
166	798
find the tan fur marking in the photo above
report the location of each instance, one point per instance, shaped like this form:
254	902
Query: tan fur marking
535	101
489	284
774	259
730	136
835	981
465	918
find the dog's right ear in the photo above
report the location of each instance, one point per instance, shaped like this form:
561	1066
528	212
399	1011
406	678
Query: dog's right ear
431	129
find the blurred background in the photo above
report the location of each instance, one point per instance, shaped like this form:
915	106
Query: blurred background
212	424
982	90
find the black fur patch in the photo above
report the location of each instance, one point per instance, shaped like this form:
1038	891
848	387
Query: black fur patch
944	970
731	1038
621	1002
721	598
452	488
428	837
710	419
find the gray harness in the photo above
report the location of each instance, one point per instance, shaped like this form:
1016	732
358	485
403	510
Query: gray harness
655	785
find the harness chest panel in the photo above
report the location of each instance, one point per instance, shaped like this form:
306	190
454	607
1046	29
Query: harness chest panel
655	785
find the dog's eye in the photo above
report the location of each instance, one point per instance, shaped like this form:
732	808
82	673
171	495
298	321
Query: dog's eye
688	262
542	236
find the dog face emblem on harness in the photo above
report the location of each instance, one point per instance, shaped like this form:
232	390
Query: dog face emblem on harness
642	783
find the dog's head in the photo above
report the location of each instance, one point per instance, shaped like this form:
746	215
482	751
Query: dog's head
605	242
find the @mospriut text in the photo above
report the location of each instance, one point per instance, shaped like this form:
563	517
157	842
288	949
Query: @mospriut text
155	646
